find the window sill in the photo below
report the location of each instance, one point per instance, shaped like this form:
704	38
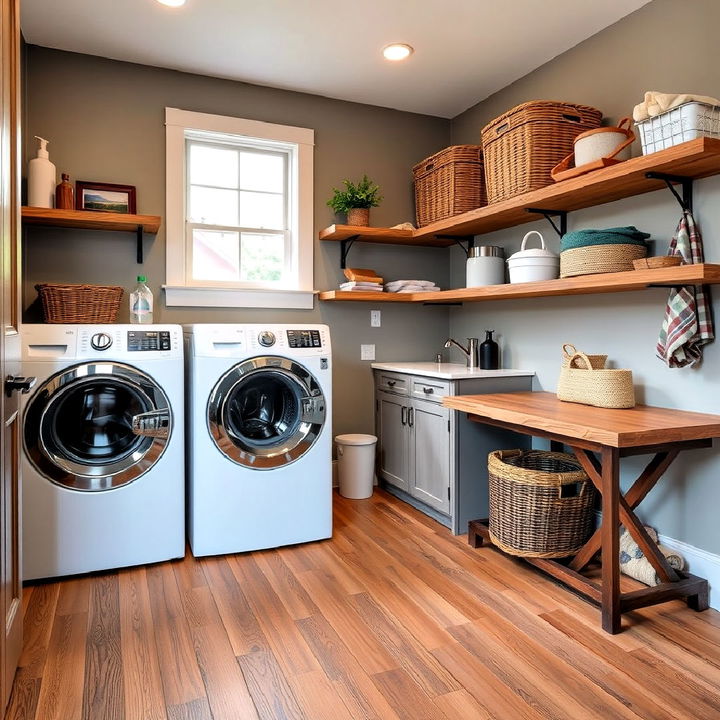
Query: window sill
181	296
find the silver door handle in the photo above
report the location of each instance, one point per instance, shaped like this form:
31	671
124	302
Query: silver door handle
411	417
155	423
16	383
403	415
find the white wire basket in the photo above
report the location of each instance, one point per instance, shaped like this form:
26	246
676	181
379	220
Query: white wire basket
678	125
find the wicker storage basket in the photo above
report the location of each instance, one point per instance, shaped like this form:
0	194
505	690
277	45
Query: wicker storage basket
541	503
80	303
448	183
522	146
580	383
593	259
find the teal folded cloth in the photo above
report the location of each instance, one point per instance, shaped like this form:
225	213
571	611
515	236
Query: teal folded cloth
611	236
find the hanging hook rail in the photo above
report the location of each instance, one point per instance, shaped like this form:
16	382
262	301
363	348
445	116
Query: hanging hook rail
548	215
686	201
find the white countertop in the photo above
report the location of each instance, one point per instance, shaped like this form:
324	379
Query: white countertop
447	371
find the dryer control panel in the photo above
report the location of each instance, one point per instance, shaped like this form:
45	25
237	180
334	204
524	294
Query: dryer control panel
304	338
148	340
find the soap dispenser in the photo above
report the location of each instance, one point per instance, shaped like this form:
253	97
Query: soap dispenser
41	178
489	352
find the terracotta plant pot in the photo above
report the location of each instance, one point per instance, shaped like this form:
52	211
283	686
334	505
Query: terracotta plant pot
358	216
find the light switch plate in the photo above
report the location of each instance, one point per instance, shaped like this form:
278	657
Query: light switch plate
367	352
375	318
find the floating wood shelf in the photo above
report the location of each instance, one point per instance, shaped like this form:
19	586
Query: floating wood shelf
93	220
89	220
703	274
694	159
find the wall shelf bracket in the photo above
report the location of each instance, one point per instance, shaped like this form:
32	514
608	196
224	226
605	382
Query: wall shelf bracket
686	183
548	215
459	240
345	246
139	252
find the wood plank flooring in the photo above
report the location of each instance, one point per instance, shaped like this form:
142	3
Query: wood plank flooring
392	618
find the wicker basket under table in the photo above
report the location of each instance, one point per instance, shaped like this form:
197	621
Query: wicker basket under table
541	503
523	145
448	183
80	303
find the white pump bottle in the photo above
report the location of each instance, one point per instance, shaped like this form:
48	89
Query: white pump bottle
42	178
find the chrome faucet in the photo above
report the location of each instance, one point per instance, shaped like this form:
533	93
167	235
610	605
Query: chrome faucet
471	351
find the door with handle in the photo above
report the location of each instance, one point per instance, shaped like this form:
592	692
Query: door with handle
10	509
393	439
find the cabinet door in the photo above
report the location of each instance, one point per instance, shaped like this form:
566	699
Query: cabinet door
430	454
393	439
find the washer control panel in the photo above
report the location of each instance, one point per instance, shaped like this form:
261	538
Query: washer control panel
304	338
101	341
266	338
148	340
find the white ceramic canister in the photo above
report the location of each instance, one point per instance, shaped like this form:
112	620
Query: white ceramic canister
604	142
485	266
534	264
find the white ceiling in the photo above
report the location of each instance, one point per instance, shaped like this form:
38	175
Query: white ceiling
464	49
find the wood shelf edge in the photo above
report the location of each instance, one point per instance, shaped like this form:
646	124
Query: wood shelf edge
86	219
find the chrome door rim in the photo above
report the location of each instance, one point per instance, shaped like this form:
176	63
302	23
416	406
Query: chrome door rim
312	412
76	475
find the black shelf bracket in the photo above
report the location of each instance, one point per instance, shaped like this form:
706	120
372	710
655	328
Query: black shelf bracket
548	215
686	201
139	256
459	240
345	246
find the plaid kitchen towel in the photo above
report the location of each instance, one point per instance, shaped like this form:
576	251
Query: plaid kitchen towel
688	324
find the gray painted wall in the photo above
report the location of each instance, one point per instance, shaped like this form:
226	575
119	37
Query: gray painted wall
611	71
105	121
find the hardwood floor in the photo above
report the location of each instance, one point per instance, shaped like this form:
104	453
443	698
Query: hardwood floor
392	618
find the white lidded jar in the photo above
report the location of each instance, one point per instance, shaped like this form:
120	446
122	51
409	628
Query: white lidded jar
42	178
534	264
141	303
485	266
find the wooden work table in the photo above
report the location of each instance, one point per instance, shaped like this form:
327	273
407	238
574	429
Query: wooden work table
613	434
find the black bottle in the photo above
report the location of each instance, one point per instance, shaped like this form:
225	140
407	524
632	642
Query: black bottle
489	353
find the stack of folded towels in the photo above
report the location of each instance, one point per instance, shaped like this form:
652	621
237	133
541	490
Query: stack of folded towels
362	280
411	286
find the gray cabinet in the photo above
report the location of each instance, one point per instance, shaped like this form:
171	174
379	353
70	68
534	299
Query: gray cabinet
431	456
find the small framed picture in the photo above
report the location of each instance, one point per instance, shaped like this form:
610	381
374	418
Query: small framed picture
105	197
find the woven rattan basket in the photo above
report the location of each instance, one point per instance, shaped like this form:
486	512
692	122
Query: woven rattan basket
580	383
448	183
522	146
541	503
593	259
79	303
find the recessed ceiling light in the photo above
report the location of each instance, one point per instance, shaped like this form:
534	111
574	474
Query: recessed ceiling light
397	51
172	3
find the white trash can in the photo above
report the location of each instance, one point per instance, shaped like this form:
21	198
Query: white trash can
356	465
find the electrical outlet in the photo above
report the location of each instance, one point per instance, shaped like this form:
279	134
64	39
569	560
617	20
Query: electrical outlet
367	352
375	318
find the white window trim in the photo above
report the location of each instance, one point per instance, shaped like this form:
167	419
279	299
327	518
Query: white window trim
177	291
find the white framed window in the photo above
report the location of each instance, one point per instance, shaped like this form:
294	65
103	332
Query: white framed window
239	212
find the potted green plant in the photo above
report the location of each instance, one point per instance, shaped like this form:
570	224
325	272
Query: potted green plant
356	200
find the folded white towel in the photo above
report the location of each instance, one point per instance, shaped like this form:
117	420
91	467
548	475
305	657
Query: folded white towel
360	285
397	284
362	289
657	102
415	289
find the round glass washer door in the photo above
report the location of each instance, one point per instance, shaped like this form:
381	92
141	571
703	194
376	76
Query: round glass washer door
266	412
97	426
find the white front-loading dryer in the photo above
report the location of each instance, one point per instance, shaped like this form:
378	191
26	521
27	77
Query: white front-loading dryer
103	447
259	436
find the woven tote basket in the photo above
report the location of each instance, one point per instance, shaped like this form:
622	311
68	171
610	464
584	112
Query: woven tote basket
597	362
593	259
448	183
80	303
541	503
522	146
580	383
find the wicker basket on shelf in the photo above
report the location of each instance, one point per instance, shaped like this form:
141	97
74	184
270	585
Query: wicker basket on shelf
594	259
524	144
79	303
448	183
541	503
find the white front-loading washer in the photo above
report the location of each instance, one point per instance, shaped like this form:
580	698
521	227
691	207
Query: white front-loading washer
259	436
103	447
